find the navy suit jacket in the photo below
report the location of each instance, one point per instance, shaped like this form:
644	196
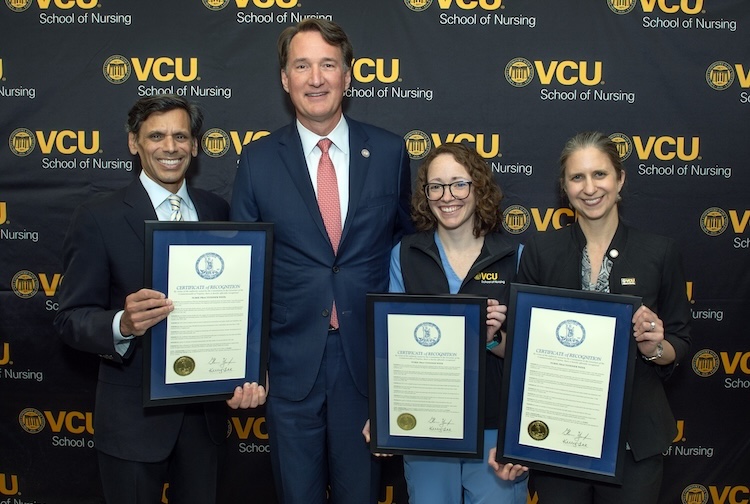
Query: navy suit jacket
273	185
104	263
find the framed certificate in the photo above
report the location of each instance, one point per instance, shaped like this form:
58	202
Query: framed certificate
426	357
217	275
567	380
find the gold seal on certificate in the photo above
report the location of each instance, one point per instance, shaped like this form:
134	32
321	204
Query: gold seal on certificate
538	430
406	421
184	365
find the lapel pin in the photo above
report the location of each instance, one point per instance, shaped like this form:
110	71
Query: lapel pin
613	253
365	153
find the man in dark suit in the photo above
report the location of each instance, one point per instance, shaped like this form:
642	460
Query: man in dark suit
321	269
104	309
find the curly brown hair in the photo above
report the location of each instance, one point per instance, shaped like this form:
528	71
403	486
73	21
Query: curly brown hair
487	193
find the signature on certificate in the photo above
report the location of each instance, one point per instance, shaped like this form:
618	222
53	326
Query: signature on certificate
220	365
576	438
440	425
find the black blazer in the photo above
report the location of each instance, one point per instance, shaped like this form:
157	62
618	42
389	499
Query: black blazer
104	263
644	265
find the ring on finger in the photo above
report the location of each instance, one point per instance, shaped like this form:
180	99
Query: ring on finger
653	325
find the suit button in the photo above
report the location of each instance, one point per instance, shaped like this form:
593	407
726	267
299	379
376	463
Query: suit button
336	269
325	313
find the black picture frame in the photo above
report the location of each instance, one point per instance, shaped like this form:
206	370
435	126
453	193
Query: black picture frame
252	240
466	315
551	443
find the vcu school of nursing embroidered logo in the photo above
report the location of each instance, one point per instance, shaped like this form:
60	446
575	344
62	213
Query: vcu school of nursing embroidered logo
418	144
720	75
116	69
215	142
623	143
519	72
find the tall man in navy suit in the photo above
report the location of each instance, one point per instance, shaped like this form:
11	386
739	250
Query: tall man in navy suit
104	309
318	354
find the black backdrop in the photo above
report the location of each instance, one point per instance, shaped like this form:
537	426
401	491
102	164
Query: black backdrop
668	79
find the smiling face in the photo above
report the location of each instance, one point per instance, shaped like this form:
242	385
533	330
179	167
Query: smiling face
592	185
451	213
165	146
316	78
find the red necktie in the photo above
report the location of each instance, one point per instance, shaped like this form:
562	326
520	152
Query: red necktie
330	207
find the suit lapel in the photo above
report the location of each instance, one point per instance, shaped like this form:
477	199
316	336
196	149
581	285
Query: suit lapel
138	208
358	166
290	152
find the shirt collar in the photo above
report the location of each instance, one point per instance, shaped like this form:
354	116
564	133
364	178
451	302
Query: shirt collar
339	136
157	194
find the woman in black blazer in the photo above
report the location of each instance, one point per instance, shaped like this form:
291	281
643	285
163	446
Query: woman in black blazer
600	253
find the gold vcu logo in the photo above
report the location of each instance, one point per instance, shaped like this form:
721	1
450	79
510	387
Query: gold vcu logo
705	362
22	142
519	72
117	69
516	219
623	143
417	5
720	75
695	494
215	142
418	144
268	4
26	284
8	484
714	221
367	70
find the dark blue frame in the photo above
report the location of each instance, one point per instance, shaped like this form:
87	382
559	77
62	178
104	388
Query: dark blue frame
159	236
474	309
523	298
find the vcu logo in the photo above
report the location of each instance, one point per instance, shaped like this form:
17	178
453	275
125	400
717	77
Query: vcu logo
516	219
623	143
215	5
418	144
519	72
489	5
247	137
418	5
22	142
714	221
487	146
705	363
268	4
22	5
215	142
117	69
8	484
720	75
68	142
367	70
3	212
33	421
673	6
667	148
26	284
253	425
5	355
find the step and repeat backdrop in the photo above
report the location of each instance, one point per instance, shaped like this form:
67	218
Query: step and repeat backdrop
669	80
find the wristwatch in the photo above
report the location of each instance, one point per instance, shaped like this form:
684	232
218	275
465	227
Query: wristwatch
492	344
659	353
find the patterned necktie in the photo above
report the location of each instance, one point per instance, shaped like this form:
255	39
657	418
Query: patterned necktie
174	202
330	207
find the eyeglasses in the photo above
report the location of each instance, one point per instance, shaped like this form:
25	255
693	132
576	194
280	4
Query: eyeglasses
459	190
